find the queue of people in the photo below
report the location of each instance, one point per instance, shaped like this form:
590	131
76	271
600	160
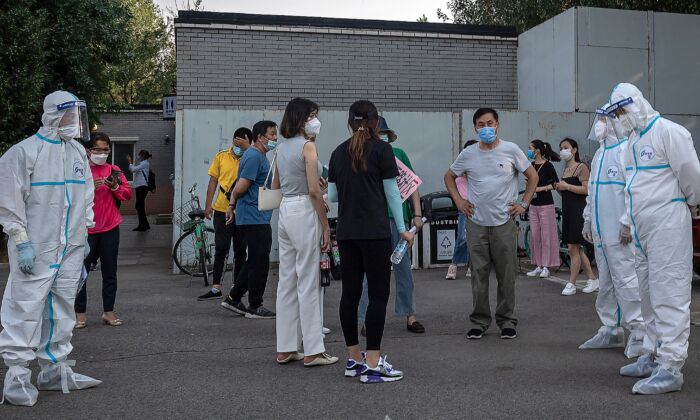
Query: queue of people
632	205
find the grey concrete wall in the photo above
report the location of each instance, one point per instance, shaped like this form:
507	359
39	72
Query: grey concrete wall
221	67
658	52
150	129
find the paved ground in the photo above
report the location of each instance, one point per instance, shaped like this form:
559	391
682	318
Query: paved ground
179	358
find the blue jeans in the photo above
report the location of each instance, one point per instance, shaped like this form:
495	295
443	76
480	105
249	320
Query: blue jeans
405	300
461	253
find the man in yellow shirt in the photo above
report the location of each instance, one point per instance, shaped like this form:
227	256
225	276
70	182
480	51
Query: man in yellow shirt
223	174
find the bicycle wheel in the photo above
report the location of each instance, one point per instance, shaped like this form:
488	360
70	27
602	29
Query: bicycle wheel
186	257
527	240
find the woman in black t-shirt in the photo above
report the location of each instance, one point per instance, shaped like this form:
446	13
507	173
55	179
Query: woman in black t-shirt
544	239
362	179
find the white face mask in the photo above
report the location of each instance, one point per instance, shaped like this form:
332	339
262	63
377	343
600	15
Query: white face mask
100	159
312	127
384	137
566	154
599	130
69	132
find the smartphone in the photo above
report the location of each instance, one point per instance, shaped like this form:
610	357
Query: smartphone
115	175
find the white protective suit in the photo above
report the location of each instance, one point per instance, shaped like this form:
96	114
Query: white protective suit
46	199
618	303
663	174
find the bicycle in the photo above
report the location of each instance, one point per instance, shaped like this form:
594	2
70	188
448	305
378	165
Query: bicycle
192	252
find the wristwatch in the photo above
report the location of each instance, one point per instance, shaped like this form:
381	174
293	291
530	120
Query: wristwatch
524	204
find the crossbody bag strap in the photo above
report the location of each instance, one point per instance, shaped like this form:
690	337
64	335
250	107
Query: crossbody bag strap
272	170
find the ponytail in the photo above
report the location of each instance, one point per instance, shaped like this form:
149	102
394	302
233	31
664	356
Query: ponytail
545	150
363	120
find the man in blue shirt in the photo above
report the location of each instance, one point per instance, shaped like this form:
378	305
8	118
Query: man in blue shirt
253	223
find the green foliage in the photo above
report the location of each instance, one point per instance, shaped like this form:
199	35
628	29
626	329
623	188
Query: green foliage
524	14
47	45
145	70
110	53
422	19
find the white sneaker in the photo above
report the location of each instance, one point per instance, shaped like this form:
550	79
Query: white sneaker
469	272
591	286
536	272
326	331
569	290
451	272
545	273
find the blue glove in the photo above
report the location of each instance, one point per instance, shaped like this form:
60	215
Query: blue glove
25	257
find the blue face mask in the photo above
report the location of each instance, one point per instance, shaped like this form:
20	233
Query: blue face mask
487	134
270	146
530	154
237	151
384	137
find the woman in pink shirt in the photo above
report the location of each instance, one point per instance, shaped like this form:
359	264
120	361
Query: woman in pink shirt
111	186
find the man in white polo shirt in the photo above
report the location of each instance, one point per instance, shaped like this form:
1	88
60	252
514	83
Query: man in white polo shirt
492	167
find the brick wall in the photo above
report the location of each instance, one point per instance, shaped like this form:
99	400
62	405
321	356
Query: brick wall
151	129
227	66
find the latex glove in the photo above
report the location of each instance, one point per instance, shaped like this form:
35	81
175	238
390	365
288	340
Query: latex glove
625	235
86	249
587	232
25	257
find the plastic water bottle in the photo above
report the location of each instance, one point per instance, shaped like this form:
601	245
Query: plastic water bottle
402	246
325	270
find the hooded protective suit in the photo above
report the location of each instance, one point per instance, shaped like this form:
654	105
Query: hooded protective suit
618	303
662	171
46	198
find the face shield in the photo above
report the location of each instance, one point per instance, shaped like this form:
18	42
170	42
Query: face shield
601	123
621	117
74	123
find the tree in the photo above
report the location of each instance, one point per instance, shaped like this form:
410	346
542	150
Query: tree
524	14
422	19
145	70
46	45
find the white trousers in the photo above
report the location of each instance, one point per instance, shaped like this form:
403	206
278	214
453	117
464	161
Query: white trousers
298	291
618	301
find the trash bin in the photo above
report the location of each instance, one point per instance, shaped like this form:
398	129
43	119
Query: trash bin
437	239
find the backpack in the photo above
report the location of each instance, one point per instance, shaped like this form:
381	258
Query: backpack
150	180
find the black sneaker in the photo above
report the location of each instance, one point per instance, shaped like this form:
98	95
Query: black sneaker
234	305
475	334
211	295
260	313
508	333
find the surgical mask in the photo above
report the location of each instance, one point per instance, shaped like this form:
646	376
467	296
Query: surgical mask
100	159
384	137
69	132
312	127
626	123
487	134
530	154
270	146
237	151
566	154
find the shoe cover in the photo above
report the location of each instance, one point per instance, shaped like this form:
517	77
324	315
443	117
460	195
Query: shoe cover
60	377
643	367
606	338
663	380
635	346
18	389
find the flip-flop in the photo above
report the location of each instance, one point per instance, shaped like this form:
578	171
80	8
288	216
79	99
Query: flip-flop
114	323
79	325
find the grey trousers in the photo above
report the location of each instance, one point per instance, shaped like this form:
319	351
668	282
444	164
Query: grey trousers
493	246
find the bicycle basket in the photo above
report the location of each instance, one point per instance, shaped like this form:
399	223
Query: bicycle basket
181	216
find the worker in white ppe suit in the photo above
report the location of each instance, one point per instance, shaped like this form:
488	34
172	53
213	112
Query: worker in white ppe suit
46	199
663	174
618	303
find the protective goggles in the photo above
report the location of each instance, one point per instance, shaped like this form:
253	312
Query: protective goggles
76	113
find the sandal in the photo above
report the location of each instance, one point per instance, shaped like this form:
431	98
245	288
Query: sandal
114	323
293	357
79	325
